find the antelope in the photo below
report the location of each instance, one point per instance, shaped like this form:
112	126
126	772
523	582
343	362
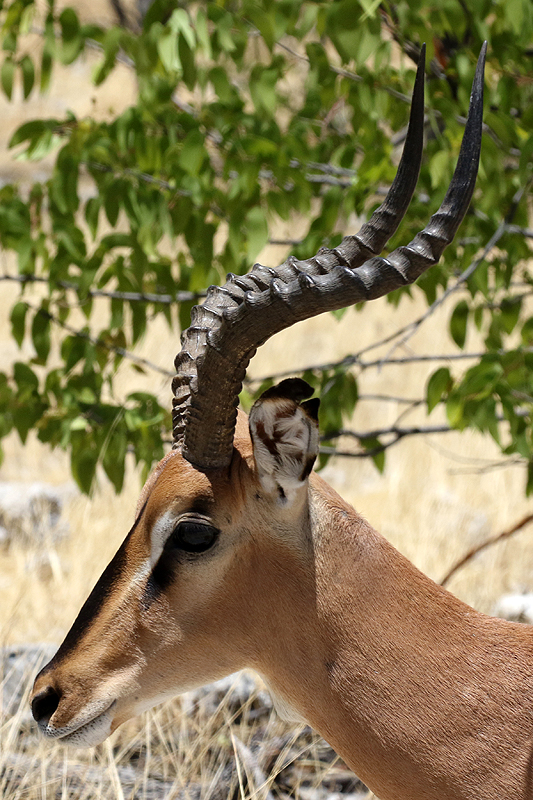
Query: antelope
241	556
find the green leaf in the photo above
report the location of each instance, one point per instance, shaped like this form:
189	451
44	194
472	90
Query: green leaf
40	334
112	205
263	84
224	33
179	22
83	462
167	47
28	75
350	393
202	33
7	74
18	321
378	457
92	211
72	351
264	21
527	331
113	460
438	384
23	422
70	33
256	228
193	153
510	309
529	481
29	131
111	45
458	323
455	410
187	63
439	168
370	8
221	85
46	70
25	377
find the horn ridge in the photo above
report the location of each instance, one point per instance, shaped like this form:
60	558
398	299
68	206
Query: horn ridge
216	352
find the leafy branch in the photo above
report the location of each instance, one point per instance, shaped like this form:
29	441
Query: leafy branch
151	205
395	433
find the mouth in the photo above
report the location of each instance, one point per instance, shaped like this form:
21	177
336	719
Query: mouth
92	730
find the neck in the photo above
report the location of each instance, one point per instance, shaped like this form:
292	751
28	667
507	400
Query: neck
421	695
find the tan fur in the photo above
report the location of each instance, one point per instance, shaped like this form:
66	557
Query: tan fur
425	698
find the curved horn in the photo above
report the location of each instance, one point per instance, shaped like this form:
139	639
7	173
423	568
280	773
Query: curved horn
238	317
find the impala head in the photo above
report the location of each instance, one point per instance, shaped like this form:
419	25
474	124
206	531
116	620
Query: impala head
222	542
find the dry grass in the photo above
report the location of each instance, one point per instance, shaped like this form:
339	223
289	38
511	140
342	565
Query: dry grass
213	744
432	502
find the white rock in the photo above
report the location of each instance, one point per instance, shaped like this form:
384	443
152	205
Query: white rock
515	607
18	667
30	513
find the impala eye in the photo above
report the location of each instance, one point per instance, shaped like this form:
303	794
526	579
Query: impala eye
193	536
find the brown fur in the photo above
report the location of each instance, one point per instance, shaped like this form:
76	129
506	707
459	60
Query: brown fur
425	698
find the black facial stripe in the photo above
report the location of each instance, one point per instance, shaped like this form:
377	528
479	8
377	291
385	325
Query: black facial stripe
163	573
152	591
95	601
160	578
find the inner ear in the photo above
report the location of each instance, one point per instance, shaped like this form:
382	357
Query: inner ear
284	432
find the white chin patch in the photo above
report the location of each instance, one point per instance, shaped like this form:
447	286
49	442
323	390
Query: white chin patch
91	734
88	735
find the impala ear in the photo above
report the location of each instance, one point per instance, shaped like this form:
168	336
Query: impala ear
284	433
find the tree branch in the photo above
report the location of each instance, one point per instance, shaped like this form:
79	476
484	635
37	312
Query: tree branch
468	272
488	543
132	297
356	360
97	342
397	435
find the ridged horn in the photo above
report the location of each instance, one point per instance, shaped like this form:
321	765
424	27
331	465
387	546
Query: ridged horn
236	318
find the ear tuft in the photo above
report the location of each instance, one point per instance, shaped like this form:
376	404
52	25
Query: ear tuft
311	407
291	388
284	433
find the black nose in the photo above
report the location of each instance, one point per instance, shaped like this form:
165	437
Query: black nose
44	704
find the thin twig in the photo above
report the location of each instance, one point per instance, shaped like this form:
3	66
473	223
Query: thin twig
465	275
253	769
461	458
397	433
141	176
386	398
356	360
526	232
404	98
97	342
132	297
487	543
492	467
411	329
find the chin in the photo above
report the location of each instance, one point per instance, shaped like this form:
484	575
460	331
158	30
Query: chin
88	733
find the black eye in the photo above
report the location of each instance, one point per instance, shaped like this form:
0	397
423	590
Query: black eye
193	536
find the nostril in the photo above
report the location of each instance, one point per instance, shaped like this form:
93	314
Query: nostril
44	704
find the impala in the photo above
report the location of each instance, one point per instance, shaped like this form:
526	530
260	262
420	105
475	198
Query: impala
240	556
